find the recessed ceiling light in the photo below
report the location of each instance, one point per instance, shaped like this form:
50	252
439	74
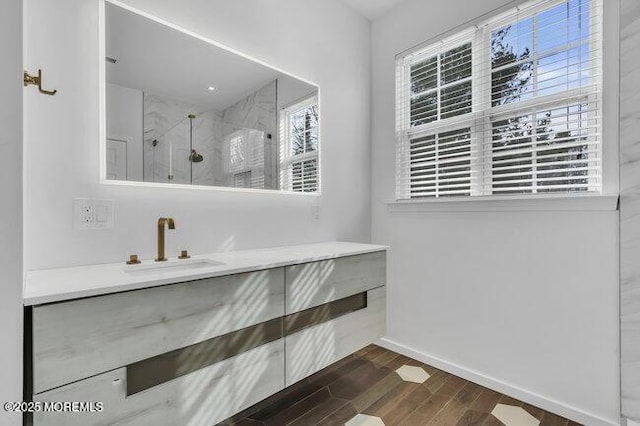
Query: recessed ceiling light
211	88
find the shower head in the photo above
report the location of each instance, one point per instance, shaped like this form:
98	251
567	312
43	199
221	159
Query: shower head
194	157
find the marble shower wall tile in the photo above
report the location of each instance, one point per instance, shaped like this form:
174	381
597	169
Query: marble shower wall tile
630	205
165	120
207	140
257	111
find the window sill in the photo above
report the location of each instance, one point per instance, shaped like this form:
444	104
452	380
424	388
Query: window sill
560	202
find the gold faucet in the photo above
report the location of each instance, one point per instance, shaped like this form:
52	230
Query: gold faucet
161	222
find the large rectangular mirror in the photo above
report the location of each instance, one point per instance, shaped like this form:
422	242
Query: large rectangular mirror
182	110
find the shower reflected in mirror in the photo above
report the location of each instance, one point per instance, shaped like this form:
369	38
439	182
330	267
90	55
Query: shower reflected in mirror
181	110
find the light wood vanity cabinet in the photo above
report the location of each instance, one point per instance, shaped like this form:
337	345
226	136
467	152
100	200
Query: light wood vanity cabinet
315	283
82	338
203	397
316	347
198	352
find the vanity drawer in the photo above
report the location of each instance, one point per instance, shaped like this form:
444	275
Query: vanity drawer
315	283
314	348
204	397
81	338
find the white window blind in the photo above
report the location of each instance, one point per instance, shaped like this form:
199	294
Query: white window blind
243	158
511	106
299	146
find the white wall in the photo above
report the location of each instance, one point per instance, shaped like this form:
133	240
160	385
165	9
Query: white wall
124	112
291	90
11	206
525	302
332	49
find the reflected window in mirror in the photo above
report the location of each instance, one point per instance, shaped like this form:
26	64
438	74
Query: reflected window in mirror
244	158
299	146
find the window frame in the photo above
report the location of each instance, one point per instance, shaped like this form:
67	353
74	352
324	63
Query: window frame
286	160
483	114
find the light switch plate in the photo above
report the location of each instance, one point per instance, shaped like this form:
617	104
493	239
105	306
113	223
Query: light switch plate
92	214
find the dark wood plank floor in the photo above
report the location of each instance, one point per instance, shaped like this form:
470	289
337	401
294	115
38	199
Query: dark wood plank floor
367	383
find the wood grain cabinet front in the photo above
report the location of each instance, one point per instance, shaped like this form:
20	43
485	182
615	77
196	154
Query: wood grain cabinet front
316	283
204	397
312	349
198	352
82	338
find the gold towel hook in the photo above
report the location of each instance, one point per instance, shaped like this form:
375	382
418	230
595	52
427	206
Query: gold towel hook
37	81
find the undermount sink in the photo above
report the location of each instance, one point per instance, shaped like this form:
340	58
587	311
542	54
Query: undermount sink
170	267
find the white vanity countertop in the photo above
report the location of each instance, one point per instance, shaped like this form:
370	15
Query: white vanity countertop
55	285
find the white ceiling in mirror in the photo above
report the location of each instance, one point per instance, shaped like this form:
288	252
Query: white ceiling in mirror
181	109
373	9
176	64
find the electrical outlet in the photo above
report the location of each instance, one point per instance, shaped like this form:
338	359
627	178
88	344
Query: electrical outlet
92	214
87	214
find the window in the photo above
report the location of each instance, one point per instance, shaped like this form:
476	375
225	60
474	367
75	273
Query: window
511	106
244	158
299	146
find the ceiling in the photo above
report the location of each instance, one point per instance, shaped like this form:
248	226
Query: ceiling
155	58
373	9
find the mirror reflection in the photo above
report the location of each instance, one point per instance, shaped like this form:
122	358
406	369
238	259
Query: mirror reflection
181	110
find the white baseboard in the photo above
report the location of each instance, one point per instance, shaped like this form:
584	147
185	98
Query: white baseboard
540	401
